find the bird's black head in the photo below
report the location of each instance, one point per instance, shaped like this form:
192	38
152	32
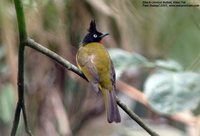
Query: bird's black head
93	35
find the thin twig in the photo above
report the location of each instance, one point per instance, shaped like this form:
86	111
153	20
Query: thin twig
69	66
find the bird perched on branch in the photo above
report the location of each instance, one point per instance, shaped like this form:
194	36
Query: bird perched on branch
94	61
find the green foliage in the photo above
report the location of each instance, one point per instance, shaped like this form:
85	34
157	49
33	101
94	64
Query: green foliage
168	65
171	33
124	60
6	103
170	92
169	89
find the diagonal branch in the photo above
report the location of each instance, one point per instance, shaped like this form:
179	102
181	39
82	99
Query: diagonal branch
32	44
136	118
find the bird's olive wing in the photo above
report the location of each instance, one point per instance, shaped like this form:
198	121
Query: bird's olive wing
112	73
92	75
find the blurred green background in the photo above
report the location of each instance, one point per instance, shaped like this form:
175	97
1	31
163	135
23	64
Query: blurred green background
154	49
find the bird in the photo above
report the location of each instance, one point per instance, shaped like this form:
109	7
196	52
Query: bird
95	63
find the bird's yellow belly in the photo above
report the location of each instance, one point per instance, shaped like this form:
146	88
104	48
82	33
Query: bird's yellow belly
99	57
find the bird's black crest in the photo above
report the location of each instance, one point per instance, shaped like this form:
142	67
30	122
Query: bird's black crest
92	26
93	35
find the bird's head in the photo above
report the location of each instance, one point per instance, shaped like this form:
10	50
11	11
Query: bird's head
93	35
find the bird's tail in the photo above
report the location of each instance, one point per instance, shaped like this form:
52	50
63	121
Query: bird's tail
111	106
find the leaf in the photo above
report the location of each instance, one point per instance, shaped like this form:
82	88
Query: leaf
6	103
171	92
124	60
169	64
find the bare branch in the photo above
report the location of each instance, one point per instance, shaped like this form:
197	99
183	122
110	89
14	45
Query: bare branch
74	69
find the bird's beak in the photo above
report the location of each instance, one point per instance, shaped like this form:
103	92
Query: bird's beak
103	35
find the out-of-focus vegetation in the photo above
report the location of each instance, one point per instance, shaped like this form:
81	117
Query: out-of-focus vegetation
157	44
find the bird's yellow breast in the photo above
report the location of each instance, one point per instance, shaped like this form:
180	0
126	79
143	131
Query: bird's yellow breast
99	59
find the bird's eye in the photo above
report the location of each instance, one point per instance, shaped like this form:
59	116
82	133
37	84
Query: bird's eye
95	36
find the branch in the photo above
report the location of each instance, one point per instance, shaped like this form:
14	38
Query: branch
20	78
20	20
30	43
136	118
